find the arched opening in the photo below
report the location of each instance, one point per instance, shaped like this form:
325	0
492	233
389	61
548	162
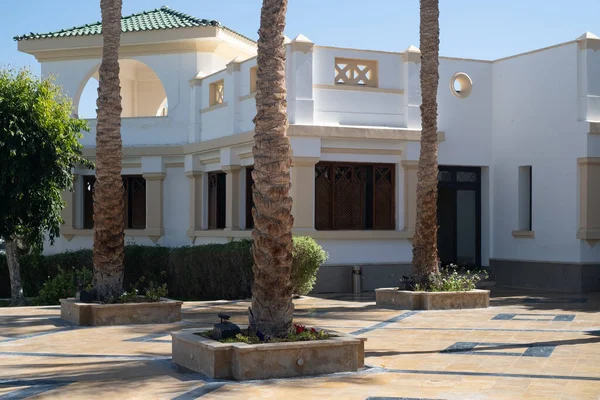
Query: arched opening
142	92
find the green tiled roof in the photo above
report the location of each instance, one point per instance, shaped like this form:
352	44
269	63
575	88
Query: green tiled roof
158	19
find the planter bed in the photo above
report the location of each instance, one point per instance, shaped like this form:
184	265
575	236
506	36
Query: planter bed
408	300
241	361
93	314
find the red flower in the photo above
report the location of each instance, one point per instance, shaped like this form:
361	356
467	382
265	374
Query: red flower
313	330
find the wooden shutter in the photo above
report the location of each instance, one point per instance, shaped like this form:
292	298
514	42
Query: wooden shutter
384	217
323	197
221	200
348	193
212	200
137	204
249	198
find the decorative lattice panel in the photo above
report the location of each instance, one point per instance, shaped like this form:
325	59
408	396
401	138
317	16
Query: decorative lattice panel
217	93
354	197
323	198
355	72
348	194
383	198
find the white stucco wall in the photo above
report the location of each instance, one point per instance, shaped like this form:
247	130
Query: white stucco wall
532	109
175	70
347	107
466	122
535	122
176	205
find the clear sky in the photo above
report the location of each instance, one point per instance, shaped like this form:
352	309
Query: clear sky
485	29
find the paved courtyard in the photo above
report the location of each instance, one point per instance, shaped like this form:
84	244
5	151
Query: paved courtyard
532	346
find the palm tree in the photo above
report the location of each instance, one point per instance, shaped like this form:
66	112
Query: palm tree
109	251
272	308
425	239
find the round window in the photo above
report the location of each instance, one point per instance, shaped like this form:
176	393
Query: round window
461	85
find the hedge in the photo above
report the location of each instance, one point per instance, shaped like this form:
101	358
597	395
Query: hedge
207	272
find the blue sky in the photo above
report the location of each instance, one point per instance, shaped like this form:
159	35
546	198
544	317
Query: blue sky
486	29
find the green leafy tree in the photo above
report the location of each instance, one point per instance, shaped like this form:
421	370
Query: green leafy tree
38	148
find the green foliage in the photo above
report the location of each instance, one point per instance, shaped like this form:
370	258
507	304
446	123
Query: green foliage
212	271
150	262
308	257
84	279
300	333
152	292
450	280
155	292
38	146
129	296
61	286
207	272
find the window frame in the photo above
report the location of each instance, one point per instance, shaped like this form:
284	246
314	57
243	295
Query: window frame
88	201
217	96
368	221
217	212
253	78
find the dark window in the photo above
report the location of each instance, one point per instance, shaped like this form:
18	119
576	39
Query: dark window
88	201
354	197
530	200
216	200
134	196
249	198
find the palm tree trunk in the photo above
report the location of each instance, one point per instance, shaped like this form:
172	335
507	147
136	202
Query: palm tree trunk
108	189
14	271
272	308
425	240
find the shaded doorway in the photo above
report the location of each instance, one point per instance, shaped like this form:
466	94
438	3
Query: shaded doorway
459	215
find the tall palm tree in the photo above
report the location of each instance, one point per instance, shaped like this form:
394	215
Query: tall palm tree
109	251
425	240
272	307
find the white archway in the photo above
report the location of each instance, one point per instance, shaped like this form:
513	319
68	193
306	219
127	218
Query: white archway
142	92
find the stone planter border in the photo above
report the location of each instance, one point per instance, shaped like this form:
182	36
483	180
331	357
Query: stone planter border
241	361
91	314
407	300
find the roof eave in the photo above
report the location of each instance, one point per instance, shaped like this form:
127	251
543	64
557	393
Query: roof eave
32	46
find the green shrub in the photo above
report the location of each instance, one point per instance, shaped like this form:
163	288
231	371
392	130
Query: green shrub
308	257
212	271
206	272
61	286
152	293
155	292
36	268
448	279
150	262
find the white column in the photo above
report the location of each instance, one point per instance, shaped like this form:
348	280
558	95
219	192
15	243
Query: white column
196	202
301	104
232	195
303	192
412	87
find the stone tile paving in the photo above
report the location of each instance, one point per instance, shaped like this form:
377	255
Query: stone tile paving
525	346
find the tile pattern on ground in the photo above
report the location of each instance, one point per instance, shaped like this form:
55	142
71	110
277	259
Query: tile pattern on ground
517	348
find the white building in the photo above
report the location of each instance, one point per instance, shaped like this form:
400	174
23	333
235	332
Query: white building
519	149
